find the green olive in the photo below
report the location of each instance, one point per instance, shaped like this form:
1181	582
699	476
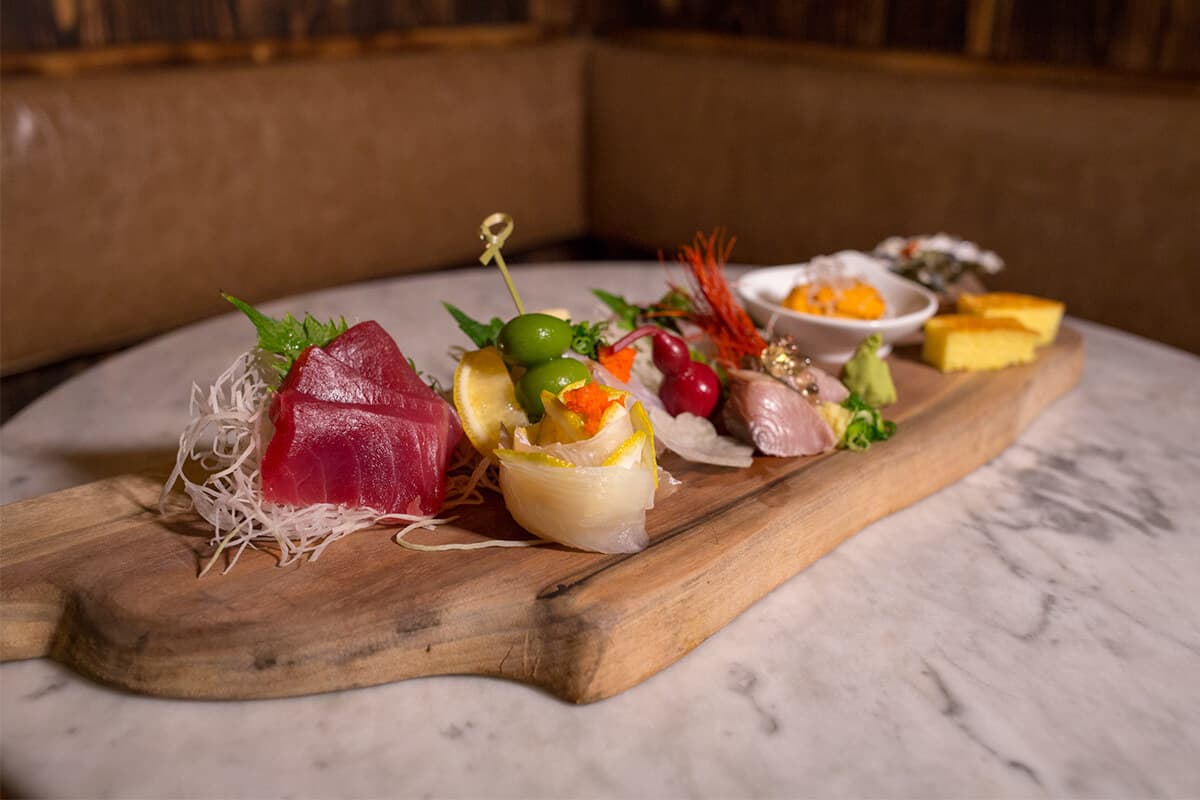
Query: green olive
533	338
552	376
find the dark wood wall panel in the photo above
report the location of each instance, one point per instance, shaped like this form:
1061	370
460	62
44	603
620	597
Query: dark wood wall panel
1142	35
1156	36
1148	36
928	25
55	24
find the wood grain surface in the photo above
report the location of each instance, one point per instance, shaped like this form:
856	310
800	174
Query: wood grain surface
94	578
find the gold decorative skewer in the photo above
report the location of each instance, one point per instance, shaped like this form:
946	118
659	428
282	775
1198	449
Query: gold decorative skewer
495	240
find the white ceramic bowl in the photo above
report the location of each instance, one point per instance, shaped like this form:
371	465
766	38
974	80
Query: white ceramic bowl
831	339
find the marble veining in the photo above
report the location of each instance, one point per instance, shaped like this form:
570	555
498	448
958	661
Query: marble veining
743	680
1031	631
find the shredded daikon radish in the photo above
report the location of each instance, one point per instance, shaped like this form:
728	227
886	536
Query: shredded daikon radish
466	490
434	548
226	438
463	488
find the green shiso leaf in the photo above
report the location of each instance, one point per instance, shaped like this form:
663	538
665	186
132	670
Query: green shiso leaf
287	338
630	315
626	312
482	334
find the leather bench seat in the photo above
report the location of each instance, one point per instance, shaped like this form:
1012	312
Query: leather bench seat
131	198
1089	188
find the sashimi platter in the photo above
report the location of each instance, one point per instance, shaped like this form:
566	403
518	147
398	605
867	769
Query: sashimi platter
584	504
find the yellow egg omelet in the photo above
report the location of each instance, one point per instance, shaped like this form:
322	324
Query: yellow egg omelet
964	342
1036	313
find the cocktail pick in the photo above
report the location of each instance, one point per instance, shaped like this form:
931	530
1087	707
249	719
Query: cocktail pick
495	240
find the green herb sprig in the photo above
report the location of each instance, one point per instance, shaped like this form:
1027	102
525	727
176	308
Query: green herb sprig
629	315
626	313
482	334
287	338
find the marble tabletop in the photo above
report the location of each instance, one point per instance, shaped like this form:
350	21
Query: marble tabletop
1030	631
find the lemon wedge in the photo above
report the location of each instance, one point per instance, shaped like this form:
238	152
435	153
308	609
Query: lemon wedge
642	424
486	399
629	453
564	424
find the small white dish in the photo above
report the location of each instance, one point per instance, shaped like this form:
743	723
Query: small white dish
833	339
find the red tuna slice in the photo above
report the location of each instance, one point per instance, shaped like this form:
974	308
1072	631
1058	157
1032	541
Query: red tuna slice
391	460
369	349
322	377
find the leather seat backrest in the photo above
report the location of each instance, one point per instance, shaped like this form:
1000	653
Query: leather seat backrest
132	198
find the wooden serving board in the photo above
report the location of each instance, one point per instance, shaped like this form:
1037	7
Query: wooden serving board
92	576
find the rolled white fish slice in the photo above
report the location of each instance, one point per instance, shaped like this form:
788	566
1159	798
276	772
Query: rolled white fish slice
602	509
589	452
696	439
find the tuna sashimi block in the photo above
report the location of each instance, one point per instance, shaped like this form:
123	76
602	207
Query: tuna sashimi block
369	349
356	426
322	377
353	455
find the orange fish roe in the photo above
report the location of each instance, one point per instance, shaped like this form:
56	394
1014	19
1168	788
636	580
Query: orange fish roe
590	401
618	362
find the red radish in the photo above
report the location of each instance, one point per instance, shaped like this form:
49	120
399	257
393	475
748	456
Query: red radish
689	386
696	390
